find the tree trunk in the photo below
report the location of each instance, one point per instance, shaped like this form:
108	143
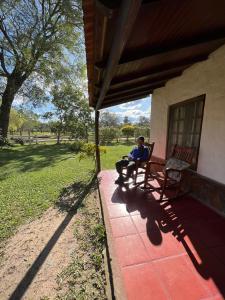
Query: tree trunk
12	87
58	137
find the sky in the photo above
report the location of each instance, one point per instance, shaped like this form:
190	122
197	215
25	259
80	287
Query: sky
133	110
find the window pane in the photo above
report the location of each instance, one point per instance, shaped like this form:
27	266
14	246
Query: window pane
200	108
198	125
182	112
181	126
185	124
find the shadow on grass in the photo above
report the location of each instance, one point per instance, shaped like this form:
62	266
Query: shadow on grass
80	191
33	157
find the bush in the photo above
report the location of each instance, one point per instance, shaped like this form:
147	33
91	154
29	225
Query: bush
4	141
89	150
76	146
19	141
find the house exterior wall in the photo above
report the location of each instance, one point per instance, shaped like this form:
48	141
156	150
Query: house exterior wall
207	78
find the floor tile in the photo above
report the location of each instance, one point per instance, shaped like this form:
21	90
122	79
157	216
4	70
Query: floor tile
179	279
161	245
140	223
219	252
131	250
141	283
116	211
208	269
122	226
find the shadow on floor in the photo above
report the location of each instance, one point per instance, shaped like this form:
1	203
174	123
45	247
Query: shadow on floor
200	230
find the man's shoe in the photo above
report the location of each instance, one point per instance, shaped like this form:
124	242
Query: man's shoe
119	180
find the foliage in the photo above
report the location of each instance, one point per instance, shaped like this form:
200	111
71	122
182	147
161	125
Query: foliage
19	141
126	120
76	146
108	119
143	121
36	40
71	111
88	150
4	141
107	135
128	130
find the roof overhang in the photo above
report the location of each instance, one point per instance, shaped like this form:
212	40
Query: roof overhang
134	47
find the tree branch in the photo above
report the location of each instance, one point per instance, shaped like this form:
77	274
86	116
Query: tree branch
3	30
2	59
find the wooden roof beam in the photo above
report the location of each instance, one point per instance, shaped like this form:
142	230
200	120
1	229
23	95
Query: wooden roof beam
144	83
127	15
136	89
139	55
145	91
174	66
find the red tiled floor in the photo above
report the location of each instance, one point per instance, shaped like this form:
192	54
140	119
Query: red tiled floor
116	211
179	280
171	250
167	246
123	226
142	283
219	253
131	250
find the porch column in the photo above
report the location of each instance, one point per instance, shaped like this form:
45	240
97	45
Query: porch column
98	161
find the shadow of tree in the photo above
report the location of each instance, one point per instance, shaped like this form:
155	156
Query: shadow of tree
79	191
73	194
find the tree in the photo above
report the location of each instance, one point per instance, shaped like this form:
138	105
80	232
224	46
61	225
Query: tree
126	120
35	36
16	120
108	119
144	121
71	112
107	135
128	130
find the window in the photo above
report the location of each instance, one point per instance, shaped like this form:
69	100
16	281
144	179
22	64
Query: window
185	124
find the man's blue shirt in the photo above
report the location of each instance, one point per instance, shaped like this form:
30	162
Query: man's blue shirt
139	153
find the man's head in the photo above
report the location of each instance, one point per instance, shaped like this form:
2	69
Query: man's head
140	140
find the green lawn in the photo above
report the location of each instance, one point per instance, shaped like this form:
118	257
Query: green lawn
32	178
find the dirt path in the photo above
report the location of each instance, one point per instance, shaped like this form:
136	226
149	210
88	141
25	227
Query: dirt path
35	255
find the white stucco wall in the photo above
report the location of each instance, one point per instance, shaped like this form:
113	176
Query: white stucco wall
208	78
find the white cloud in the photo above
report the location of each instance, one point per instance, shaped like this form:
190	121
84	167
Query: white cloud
128	106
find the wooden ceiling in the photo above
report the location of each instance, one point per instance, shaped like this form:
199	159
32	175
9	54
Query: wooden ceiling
134	46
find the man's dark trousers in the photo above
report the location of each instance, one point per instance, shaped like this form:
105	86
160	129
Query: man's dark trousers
129	164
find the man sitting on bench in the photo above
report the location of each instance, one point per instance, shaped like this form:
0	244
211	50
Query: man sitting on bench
138	154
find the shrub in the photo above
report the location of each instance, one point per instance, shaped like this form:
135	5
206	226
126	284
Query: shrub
89	150
4	141
19	141
76	146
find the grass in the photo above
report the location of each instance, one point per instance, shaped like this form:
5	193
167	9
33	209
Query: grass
32	178
113	153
